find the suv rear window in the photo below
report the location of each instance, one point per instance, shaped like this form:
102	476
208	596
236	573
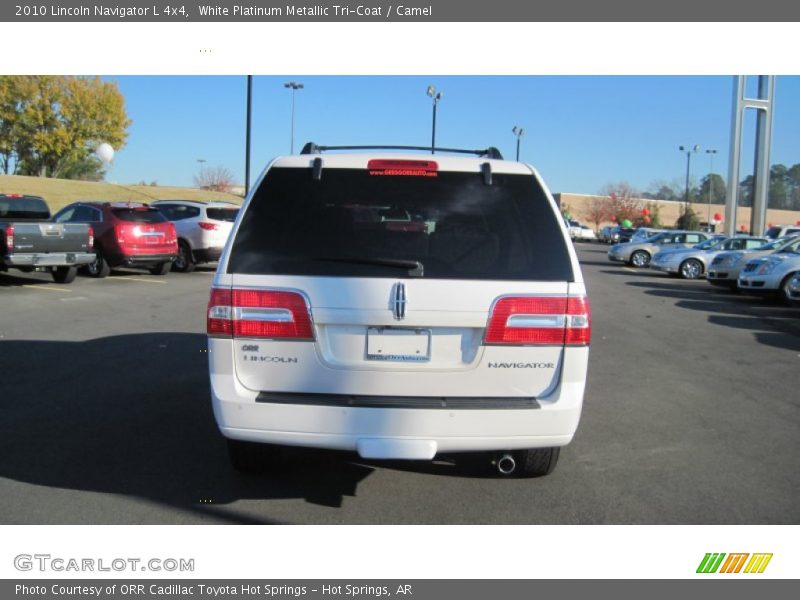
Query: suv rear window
347	223
222	214
139	215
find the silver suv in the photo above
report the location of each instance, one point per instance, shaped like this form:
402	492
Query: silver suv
203	228
401	306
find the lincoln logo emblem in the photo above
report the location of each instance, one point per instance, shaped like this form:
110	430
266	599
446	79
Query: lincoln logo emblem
399	301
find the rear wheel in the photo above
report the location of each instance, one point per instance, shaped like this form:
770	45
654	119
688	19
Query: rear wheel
100	267
640	258
249	457
161	268
536	462
783	291
64	274
184	263
691	268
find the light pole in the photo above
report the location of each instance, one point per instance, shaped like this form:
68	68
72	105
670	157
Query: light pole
202	163
711	154
518	131
435	96
689	152
294	86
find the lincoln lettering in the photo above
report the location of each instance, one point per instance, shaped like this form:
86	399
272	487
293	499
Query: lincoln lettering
272	359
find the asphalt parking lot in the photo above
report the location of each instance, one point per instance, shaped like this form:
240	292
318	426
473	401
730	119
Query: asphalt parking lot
692	415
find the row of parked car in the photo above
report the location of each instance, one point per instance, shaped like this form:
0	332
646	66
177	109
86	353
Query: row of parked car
610	234
98	236
758	265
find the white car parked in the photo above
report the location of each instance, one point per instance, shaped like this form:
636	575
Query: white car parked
203	228
779	231
692	263
580	232
401	306
771	275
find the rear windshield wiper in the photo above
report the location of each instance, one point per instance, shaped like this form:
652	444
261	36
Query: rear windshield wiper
416	268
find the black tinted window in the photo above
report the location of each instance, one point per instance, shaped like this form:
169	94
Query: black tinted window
85	214
25	207
139	215
222	214
454	224
177	212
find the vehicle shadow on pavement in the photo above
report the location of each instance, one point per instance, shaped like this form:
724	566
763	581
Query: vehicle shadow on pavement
131	415
772	324
9	280
600	263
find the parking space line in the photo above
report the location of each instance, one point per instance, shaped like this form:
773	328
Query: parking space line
630	270
44	288
138	279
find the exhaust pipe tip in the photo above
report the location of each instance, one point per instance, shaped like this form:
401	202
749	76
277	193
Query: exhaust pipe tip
506	464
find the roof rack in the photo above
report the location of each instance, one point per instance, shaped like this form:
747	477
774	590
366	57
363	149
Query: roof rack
490	152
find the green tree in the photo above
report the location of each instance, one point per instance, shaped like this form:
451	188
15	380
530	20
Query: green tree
716	185
654	217
793	175
59	121
666	193
746	191
688	220
779	187
9	122
86	168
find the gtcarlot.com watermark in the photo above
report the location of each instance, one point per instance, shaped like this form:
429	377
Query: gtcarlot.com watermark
58	564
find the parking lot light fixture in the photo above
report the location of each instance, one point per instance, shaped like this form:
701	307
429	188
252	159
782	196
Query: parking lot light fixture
689	151
518	131
294	86
435	96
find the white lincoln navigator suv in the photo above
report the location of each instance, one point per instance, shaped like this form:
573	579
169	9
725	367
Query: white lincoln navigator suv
401	306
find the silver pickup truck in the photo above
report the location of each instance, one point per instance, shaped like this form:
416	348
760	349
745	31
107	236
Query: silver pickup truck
30	241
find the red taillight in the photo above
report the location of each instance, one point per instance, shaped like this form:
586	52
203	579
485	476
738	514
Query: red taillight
259	314
173	234
121	231
579	321
219	316
403	167
208	226
10	238
543	320
91	238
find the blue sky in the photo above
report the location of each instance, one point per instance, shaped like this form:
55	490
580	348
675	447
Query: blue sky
581	132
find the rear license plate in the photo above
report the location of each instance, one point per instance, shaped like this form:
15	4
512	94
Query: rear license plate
399	345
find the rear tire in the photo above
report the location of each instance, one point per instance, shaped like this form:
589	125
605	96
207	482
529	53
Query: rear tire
640	259
249	457
535	462
160	269
184	263
691	268
100	267
64	274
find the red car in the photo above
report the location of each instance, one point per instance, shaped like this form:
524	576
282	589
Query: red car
126	234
